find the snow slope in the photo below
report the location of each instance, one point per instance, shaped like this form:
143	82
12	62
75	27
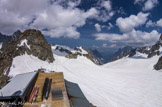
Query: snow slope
128	82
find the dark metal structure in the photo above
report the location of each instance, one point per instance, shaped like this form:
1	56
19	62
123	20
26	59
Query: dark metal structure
76	96
19	88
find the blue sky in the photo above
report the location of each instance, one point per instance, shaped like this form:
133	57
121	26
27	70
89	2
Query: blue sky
100	24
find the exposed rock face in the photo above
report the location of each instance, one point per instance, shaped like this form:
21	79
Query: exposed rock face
92	55
61	49
96	56
35	44
3	80
31	42
158	66
123	52
73	53
89	56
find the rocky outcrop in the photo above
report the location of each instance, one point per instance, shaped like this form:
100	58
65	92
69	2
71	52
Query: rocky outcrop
158	66
61	49
96	56
33	42
73	56
89	56
80	51
29	42
152	50
123	52
3	80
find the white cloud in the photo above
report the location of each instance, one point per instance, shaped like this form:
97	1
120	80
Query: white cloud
121	11
149	4
98	27
105	11
104	45
59	20
129	23
110	26
150	23
16	14
107	5
133	37
159	23
113	46
153	24
69	32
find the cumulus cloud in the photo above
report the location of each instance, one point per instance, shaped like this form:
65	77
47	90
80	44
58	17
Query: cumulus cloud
107	5
159	23
60	18
98	27
105	10
16	14
149	4
150	23
133	37
129	23
61	21
69	32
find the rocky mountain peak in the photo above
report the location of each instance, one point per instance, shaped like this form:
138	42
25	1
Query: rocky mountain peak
30	42
34	43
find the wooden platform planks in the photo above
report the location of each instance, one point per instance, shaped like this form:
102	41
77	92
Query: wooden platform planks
57	82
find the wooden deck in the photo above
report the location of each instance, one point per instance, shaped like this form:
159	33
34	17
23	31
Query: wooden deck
57	82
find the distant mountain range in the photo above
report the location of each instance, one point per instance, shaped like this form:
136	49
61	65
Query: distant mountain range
72	53
149	52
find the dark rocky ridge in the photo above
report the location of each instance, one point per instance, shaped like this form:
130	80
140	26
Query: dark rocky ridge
122	52
93	55
158	65
31	42
97	56
61	49
39	47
